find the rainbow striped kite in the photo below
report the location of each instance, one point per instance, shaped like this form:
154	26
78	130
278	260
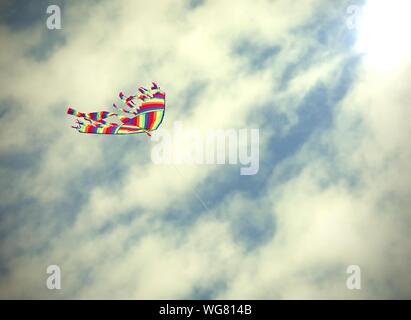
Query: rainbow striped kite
144	112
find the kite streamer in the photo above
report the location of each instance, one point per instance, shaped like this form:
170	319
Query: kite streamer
143	113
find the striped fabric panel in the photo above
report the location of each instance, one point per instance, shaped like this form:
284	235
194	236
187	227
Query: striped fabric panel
160	95
151	105
95	116
156	120
117	129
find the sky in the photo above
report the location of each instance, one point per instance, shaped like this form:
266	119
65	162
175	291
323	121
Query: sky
328	91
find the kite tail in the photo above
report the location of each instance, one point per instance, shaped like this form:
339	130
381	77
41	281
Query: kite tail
91	116
75	113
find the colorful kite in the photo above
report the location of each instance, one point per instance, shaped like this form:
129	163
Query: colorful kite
144	112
